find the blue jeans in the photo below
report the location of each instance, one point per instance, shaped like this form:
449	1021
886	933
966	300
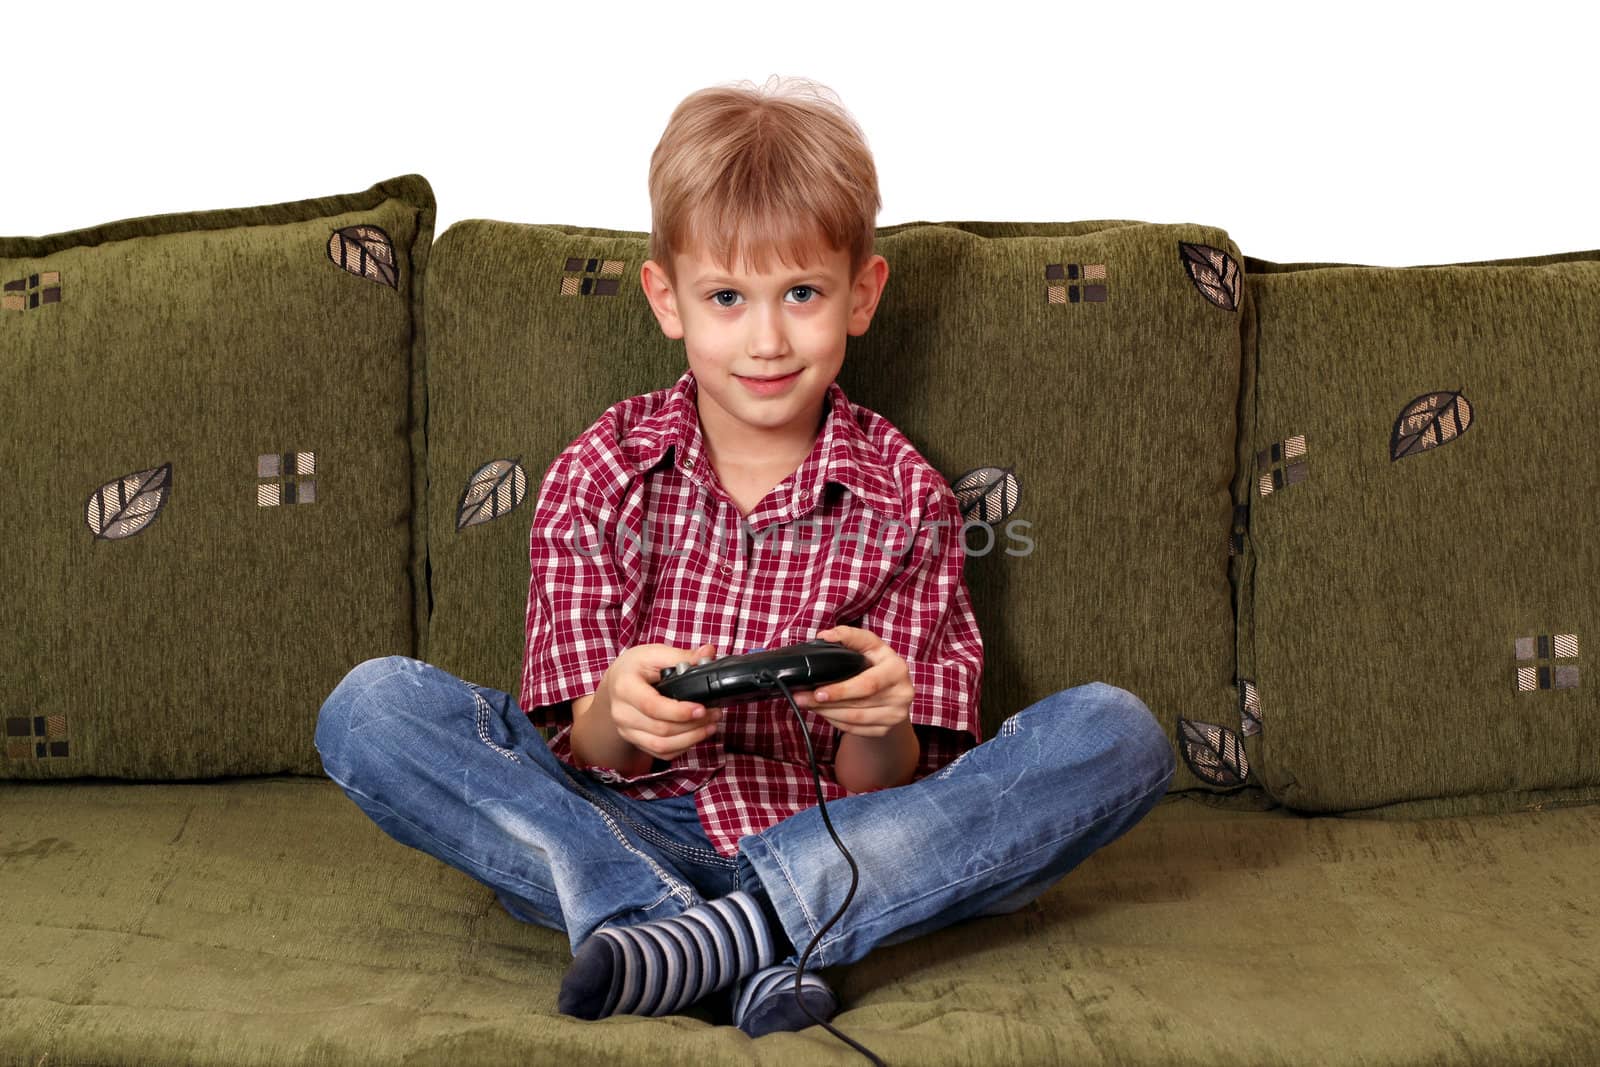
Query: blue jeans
459	772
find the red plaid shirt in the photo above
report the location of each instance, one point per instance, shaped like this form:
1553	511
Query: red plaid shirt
629	547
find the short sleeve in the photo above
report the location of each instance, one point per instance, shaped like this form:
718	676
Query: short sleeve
925	615
575	592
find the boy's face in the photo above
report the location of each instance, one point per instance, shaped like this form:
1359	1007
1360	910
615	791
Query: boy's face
764	347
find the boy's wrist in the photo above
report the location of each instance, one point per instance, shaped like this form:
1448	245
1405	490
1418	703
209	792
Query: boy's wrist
595	740
863	763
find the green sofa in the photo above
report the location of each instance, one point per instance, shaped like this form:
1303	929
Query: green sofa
1334	523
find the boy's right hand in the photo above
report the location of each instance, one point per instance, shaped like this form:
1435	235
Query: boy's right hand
648	720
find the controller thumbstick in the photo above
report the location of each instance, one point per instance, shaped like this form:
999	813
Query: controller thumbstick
682	667
703	661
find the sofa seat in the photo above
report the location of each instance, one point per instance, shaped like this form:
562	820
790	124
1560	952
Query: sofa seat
268	921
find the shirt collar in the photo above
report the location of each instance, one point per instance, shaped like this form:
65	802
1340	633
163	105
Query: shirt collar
841	455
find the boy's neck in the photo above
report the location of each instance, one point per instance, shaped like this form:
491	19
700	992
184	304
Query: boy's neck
736	446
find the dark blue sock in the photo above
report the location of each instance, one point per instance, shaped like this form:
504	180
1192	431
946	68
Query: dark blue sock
766	1001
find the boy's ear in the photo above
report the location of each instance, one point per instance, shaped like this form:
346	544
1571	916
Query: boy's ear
663	300
865	293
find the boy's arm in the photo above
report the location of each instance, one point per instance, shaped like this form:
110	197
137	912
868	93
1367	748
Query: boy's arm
574	625
925	615
575	590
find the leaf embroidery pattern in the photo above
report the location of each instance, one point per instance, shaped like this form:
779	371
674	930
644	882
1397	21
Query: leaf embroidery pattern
366	252
1249	708
493	490
1214	273
987	494
1431	420
1214	753
125	506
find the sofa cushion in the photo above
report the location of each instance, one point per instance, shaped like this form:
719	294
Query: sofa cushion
1421	619
270	921
1077	383
207	447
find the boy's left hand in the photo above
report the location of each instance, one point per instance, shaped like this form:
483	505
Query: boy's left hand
873	702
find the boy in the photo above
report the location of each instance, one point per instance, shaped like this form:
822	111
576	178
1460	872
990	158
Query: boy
749	505
767	510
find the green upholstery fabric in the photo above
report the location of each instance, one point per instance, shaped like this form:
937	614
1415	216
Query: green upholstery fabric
1420	615
208	449
270	922
1095	365
1377	603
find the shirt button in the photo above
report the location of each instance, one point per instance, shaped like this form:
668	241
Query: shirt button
727	568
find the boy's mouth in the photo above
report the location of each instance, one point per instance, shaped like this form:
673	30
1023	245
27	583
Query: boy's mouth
768	386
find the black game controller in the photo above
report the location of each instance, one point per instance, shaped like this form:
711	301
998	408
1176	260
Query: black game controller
730	679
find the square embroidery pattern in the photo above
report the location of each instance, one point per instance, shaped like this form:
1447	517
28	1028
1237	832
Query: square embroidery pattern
1271	463
36	736
1067	283
591	277
36	290
1537	675
286	478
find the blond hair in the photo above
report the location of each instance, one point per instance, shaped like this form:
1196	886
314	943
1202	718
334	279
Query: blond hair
741	173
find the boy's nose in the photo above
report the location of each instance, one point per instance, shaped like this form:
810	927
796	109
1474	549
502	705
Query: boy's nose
767	334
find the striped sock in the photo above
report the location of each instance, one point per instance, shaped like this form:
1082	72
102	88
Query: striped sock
766	1004
660	967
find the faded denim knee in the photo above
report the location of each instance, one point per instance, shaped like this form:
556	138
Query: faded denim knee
367	693
1141	736
1109	717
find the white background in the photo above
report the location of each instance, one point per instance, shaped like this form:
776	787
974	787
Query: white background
1381	133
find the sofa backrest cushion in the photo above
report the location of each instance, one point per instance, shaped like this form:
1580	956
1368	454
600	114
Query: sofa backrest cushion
1076	382
207	447
1420	608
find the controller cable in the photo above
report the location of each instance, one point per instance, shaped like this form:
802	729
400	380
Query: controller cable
769	678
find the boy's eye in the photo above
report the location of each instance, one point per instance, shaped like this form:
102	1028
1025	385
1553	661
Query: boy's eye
811	292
